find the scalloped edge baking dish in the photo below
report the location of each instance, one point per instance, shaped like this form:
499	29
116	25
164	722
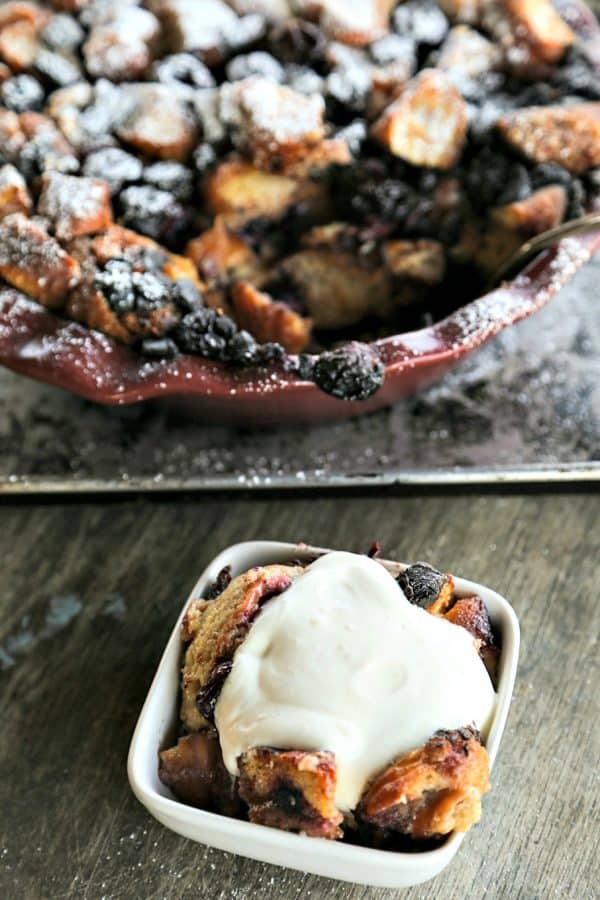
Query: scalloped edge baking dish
37	343
362	865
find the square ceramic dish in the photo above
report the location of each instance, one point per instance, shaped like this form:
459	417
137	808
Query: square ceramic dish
380	868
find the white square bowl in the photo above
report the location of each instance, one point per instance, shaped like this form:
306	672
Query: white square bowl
362	865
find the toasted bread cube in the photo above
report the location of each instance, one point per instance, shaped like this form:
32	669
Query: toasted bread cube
421	260
14	196
544	209
34	262
36	126
433	790
567	135
11	135
159	124
75	206
221	627
240	193
65	106
88	304
268	319
221	256
427	124
468	52
120	46
195	772
351	23
537	24
277	125
118	242
471	613
22	11
19	45
337	290
208	35
291	789
331	151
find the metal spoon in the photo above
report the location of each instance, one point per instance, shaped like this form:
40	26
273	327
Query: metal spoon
529	249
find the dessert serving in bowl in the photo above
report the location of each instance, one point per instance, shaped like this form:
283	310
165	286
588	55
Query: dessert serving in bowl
328	711
265	208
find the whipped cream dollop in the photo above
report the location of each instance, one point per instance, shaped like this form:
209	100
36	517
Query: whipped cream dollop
343	662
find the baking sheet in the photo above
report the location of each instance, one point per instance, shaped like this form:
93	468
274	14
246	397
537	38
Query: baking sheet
525	408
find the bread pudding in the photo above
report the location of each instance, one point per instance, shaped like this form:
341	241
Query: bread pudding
275	183
337	699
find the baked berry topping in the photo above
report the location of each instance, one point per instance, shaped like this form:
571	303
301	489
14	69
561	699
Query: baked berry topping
156	213
422	584
115	166
207	696
222	580
352	372
214	335
172	177
159	348
183	68
421	20
21	93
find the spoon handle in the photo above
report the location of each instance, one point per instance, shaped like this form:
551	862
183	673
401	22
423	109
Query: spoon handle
530	248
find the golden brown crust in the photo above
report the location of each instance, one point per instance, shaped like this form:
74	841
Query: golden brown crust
195	772
74	206
421	260
278	126
336	289
220	630
221	256
159	125
431	791
544	209
314	159
240	193
121	44
467	51
87	303
291	789
14	196
268	319
22	11
471	614
537	25
567	135
34	262
19	45
356	24
427	124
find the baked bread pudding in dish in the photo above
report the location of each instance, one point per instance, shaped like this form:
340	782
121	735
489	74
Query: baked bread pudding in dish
343	699
273	184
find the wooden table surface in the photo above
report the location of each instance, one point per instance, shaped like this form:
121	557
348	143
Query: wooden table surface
89	593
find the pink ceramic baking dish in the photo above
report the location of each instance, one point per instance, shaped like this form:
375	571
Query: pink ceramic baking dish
37	343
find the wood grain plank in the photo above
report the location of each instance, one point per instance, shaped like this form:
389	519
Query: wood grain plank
88	597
